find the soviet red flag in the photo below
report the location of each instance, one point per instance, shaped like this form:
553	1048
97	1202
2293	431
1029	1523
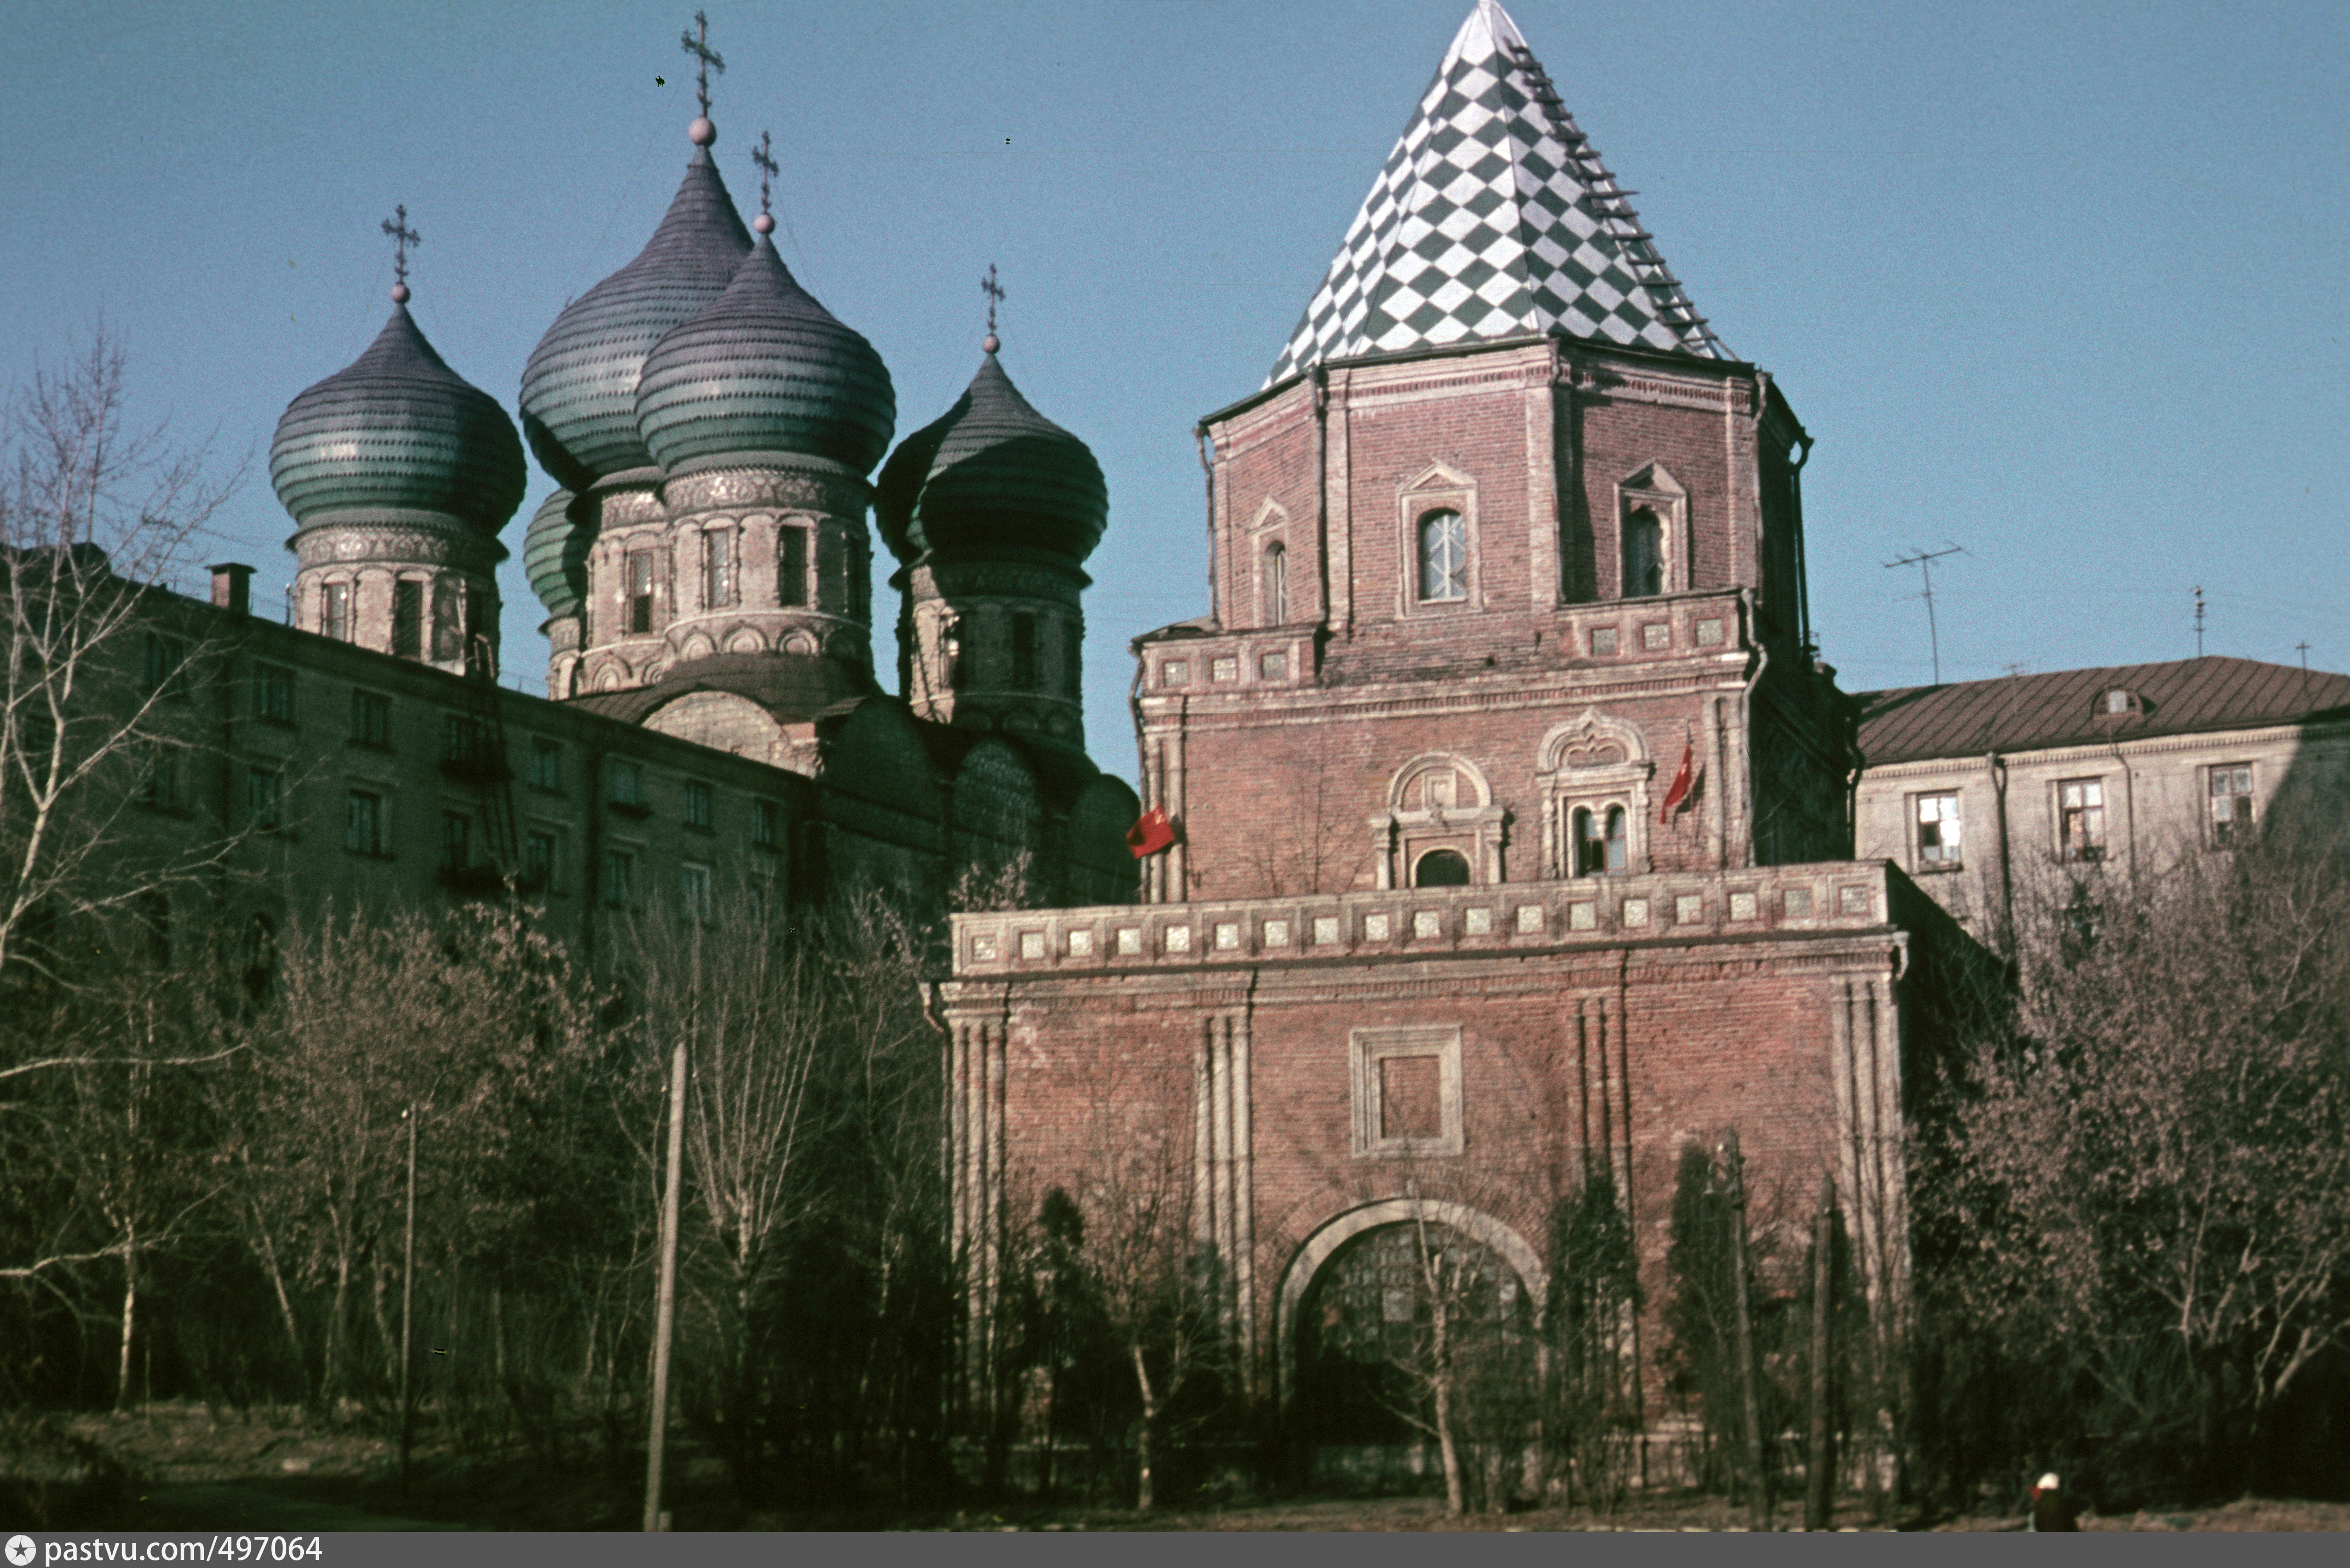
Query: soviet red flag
1151	834
1681	782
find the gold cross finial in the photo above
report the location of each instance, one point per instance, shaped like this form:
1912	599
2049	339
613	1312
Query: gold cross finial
995	295
402	236
697	44
765	158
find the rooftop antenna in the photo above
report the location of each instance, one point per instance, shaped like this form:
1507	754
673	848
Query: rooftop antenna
763	157
2302	648
402	236
1924	561
2199	623
996	297
697	44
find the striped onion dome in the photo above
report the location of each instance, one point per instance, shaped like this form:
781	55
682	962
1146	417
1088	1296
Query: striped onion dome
579	390
764	376
992	473
397	431
555	556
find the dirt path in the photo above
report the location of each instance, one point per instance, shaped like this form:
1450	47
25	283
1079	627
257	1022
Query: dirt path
247	1506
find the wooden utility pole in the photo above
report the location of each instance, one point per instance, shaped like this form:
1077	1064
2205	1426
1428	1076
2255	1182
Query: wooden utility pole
1758	1500
408	1309
1819	1458
665	1300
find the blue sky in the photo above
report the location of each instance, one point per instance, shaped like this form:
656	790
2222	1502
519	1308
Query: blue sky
2065	284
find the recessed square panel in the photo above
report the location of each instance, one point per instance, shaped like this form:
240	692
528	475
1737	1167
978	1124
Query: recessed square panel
1635	911
1032	944
1603	642
1797	903
1477	922
1276	933
1226	668
1530	919
1656	634
1228	935
1741	906
1583	917
1129	938
1689	909
1709	634
1081	944
1325	931
1853	900
1426	923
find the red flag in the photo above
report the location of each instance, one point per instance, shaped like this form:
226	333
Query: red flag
1681	782
1151	834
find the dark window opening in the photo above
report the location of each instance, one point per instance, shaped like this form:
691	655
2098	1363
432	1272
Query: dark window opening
1024	651
641	593
1644	555
791	567
1442	868
1599	841
370	718
408	618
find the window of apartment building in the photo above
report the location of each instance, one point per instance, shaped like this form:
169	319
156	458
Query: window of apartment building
1601	840
619	870
766	824
695	900
626	784
338	616
165	667
791	565
2081	819
370	718
1276	584
456	841
408	618
538	857
1643	553
717	568
161	786
1938	831
1023	650
641	591
272	693
546	766
262	798
2232	804
461	738
698	805
1444	557
363	832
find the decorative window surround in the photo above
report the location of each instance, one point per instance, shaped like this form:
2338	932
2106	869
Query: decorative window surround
1368	1050
1591	763
1439	801
1653	489
1439	487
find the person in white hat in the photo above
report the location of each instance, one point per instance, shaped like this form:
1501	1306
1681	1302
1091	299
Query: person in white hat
2051	1508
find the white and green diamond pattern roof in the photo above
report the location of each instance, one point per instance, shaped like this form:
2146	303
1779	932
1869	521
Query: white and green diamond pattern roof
1493	218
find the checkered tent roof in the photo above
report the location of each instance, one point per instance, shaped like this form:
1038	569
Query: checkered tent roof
1493	218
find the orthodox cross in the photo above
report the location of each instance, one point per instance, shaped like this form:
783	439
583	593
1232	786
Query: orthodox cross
765	158
402	236
995	295
710	58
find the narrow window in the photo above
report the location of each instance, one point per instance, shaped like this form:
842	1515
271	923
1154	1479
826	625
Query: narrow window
1601	849
2232	804
1276	585
481	620
456	841
546	766
1644	555
627	782
618	869
448	631
718	568
1023	650
766	824
161	788
2081	819
461	738
1937	832
370	718
363	835
338	611
1071	657
158	667
791	567
697	804
1444	557
408	618
538	858
1442	868
951	652
693	894
272	693
640	592
261	798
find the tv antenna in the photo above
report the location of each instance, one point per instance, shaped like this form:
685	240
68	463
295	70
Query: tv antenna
2199	623
1924	561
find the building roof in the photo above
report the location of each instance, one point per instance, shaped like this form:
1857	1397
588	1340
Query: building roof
2068	707
1493	218
992	473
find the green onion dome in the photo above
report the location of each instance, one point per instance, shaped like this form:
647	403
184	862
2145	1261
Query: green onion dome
764	376
398	430
579	390
555	556
992	475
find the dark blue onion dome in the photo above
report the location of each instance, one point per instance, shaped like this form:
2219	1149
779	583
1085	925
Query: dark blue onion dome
763	376
579	390
992	475
398	430
555	556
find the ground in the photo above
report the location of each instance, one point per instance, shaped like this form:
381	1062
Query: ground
185	1466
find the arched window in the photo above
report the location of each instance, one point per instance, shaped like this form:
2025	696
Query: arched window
1644	555
1276	585
1444	557
1599	841
1442	868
